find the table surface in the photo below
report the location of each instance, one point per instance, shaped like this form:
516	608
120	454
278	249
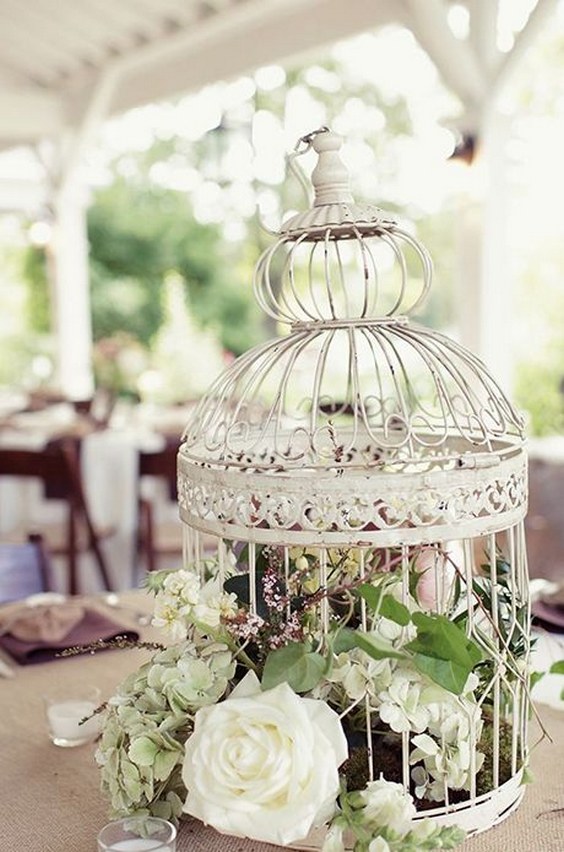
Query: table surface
51	800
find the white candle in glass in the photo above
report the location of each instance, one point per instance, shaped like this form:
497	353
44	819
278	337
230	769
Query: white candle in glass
140	844
64	718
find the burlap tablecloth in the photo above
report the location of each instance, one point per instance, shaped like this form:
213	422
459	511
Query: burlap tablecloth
50	798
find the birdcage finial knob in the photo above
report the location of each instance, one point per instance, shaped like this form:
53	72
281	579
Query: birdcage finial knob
330	177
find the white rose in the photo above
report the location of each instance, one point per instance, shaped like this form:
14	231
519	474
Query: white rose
264	765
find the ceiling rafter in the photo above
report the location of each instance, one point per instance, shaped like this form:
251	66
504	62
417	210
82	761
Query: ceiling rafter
36	18
140	27
82	18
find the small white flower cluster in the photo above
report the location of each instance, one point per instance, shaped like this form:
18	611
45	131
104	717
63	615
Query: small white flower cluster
184	601
382	819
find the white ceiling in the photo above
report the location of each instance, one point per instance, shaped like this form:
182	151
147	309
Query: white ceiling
59	57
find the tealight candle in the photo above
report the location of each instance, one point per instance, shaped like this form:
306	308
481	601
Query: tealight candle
139	844
65	713
64	722
138	834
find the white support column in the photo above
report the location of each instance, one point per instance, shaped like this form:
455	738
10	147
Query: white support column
485	284
497	285
71	293
68	267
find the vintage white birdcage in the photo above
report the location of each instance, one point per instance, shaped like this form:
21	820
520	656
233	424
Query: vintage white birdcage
365	446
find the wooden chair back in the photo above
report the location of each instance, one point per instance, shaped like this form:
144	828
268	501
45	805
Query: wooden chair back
57	466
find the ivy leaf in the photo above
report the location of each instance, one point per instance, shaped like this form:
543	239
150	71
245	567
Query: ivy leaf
557	668
301	668
385	605
447	674
376	647
443	652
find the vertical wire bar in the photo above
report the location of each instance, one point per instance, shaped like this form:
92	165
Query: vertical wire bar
496	685
522	571
252	578
185	545
197	560
404	597
516	629
221	557
324	605
367	709
468	557
287	579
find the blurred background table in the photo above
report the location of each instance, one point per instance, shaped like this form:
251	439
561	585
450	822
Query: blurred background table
110	469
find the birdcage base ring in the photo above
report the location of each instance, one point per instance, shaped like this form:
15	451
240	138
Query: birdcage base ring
474	815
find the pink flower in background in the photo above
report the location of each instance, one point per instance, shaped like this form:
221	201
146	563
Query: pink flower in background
437	573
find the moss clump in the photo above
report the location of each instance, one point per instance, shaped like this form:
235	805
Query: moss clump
387	761
484	780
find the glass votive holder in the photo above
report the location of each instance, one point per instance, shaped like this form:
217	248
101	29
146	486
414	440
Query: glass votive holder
66	708
138	834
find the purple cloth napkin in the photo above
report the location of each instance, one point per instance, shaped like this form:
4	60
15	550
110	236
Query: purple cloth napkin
95	625
549	616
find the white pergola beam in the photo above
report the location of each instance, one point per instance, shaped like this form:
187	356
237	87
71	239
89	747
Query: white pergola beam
483	33
198	56
28	114
454	58
536	22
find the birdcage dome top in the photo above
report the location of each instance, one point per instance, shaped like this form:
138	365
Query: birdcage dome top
355	399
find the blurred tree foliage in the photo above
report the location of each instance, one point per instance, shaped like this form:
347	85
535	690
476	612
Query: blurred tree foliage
139	233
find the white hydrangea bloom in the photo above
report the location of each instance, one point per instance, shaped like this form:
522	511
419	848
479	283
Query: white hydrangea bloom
213	604
445	750
360	675
379	845
401	705
183	602
334	840
387	805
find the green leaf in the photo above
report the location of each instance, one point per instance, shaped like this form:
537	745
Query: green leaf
557	667
443	651
301	668
534	678
385	605
376	647
447	674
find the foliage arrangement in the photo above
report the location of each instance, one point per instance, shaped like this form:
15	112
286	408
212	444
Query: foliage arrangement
259	717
